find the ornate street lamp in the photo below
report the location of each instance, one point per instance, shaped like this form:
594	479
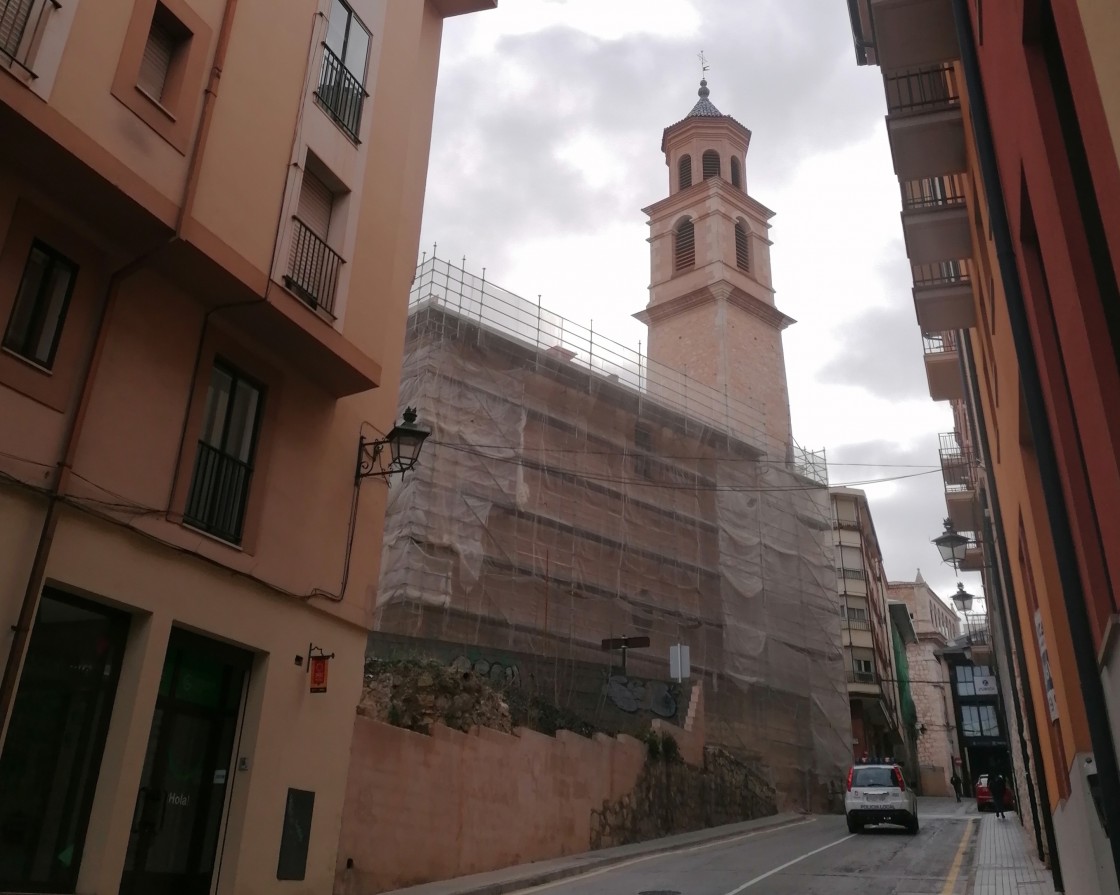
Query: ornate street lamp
951	545
963	598
404	440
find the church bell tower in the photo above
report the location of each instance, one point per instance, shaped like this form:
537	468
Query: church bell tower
711	311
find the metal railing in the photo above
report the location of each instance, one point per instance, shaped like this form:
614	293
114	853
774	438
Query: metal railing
858	624
924	90
856	574
219	493
933	192
21	23
862	677
341	93
939	343
958	465
474	299
313	268
943	273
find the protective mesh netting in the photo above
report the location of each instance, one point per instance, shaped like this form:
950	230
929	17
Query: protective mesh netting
573	491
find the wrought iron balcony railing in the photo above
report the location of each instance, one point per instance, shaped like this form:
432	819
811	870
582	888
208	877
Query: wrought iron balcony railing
313	268
219	493
924	90
862	677
858	624
857	574
933	192
943	273
341	94
939	343
20	22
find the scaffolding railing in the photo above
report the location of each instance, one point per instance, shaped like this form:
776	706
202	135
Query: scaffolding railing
441	284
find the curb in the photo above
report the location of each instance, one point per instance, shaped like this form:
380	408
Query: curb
549	876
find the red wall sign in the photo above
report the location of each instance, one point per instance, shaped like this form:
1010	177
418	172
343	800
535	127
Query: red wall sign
318	674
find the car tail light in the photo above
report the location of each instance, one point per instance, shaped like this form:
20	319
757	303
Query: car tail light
850	772
898	779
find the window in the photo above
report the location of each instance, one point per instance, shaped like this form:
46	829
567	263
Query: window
684	172
223	466
52	754
736	175
313	267
979	721
742	246
14	15
40	307
966	675
863	671
167	40
711	164
684	245
343	76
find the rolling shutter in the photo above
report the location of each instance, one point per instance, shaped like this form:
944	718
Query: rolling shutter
13	22
315	201
156	62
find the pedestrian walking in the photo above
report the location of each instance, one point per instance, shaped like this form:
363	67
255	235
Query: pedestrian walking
997	786
955	780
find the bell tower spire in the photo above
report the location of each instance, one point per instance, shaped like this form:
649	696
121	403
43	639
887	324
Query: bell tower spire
711	311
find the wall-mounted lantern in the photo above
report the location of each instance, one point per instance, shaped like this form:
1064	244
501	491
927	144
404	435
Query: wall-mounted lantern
318	665
951	545
404	442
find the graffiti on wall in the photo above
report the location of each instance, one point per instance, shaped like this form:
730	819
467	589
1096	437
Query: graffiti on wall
633	694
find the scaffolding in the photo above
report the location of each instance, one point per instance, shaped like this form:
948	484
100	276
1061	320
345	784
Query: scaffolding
573	491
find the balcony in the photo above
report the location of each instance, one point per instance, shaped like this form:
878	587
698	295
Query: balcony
958	466
924	122
963	508
21	26
935	219
341	94
943	296
313	268
219	493
973	553
912	33
943	369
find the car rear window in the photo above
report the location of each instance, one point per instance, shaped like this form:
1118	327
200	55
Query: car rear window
873	777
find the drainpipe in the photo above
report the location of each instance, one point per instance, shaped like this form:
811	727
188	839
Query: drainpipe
1073	595
61	477
995	541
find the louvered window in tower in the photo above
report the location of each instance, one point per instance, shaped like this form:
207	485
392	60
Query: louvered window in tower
742	247
165	41
711	164
684	246
684	172
736	175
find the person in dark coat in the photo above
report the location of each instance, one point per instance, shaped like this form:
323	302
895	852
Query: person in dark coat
955	780
997	786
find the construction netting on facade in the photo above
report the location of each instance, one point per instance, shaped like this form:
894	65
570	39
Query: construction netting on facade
573	492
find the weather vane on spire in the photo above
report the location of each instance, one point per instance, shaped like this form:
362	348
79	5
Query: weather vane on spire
703	62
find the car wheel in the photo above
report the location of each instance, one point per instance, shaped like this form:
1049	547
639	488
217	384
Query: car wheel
854	826
912	827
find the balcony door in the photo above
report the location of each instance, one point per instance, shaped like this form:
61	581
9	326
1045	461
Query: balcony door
178	811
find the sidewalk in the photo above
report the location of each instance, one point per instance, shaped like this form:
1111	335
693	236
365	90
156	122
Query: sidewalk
524	876
1004	864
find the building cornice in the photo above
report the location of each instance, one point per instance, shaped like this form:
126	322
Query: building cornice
697	194
721	291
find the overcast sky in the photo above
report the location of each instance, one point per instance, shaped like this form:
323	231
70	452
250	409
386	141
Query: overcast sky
546	147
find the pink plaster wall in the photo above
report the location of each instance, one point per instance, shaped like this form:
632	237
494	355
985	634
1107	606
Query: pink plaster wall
423	808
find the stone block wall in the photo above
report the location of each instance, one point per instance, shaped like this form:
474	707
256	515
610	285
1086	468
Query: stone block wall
937	730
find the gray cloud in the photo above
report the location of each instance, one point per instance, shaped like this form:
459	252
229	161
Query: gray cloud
495	170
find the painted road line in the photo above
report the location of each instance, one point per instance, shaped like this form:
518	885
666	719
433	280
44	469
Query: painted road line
955	870
815	851
668	853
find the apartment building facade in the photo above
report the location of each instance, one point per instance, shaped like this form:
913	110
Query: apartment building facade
935	625
866	629
1002	120
203	288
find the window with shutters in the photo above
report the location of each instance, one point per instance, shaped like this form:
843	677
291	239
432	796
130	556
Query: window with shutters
14	18
342	79
167	42
161	71
313	266
736	173
684	246
742	246
711	164
684	172
35	324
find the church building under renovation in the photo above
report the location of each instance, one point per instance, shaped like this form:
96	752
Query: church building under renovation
575	490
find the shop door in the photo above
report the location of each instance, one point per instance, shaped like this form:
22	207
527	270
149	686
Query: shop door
178	813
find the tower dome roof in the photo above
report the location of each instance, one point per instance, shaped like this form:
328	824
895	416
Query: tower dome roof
704	107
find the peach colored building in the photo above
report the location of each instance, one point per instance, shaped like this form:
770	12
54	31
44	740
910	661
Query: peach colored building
202	301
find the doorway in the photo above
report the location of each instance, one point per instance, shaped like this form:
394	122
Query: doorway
173	840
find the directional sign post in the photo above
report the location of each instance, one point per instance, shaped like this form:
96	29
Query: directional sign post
623	644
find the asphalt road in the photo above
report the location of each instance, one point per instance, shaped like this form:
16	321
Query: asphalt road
818	857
